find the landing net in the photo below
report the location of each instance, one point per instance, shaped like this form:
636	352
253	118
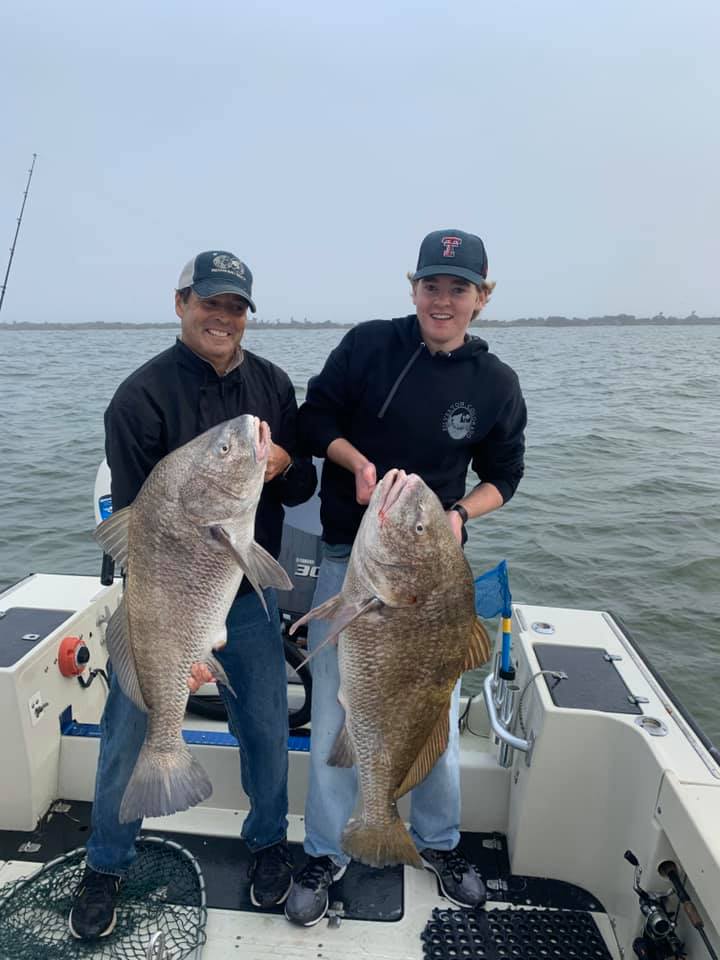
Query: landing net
162	900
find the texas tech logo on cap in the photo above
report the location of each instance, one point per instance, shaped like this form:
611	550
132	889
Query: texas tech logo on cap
449	244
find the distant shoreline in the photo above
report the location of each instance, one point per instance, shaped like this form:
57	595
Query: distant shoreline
610	321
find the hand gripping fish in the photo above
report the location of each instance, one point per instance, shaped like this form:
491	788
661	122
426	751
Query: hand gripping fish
407	630
185	542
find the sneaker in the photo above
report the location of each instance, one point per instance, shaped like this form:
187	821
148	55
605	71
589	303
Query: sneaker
271	875
459	880
308	901
93	914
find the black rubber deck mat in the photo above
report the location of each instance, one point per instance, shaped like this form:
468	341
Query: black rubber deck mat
512	933
489	852
365	893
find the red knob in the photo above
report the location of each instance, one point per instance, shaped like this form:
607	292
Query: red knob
73	656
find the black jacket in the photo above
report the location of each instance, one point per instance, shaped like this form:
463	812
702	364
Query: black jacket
401	406
176	396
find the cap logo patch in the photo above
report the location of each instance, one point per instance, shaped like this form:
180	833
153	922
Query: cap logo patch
449	244
222	263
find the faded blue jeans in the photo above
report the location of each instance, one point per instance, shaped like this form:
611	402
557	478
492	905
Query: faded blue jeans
254	661
333	791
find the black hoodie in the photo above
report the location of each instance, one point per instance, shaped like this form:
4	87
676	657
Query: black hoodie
176	396
401	406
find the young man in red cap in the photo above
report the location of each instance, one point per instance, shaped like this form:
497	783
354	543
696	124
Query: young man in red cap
422	394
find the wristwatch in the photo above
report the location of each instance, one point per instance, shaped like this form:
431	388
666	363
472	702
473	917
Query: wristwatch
462	511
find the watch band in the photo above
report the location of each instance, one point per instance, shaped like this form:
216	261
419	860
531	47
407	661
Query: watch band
462	511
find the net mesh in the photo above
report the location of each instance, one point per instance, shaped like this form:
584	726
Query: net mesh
492	593
164	893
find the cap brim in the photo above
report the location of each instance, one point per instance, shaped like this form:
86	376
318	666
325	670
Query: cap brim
443	269
211	288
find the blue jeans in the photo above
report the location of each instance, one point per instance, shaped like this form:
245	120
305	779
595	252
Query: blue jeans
333	791
254	661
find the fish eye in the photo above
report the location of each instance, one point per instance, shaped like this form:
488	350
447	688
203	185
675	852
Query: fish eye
419	528
224	449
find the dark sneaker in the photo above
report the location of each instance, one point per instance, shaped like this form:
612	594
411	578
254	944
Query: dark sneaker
459	880
308	901
93	914
271	875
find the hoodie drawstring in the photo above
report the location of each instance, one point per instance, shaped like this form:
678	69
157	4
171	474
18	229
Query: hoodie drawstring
401	377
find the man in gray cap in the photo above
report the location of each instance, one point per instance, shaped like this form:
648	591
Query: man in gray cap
422	394
204	379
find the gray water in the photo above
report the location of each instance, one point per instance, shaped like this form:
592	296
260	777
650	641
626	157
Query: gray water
618	509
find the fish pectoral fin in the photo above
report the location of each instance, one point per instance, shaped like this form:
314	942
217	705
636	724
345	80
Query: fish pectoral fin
325	611
217	670
260	567
112	536
435	746
349	612
117	640
342	753
341	613
479	649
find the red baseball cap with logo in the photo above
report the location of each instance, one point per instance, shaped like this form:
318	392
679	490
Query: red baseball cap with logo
453	252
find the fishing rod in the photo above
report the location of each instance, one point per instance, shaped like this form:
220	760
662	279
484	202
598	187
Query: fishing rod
17	231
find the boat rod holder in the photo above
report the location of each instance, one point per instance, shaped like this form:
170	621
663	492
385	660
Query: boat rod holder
499	694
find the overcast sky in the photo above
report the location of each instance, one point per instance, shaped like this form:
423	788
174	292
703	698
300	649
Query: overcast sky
321	141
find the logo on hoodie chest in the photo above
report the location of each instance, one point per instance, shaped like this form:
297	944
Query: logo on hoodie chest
459	420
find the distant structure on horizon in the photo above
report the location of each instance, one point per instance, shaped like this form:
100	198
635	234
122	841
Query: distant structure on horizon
617	320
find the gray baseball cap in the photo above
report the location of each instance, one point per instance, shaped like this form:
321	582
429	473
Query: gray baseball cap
453	252
217	271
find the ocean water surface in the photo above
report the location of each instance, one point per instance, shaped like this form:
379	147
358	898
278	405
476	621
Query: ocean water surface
619	508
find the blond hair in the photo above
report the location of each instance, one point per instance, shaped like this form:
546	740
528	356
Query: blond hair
487	287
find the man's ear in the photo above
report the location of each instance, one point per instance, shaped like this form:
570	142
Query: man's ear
179	304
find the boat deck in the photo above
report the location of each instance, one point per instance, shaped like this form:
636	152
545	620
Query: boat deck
380	914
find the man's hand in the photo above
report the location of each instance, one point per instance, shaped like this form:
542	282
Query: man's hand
365	482
277	461
199	674
456	525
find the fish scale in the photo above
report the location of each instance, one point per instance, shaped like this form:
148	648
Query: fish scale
407	629
188	541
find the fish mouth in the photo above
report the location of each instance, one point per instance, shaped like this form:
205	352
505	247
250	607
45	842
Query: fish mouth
261	447
395	484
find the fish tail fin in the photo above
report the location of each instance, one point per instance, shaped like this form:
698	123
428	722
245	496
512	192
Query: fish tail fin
380	845
163	783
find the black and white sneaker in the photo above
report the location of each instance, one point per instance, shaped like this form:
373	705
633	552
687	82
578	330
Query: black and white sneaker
459	880
308	901
271	875
93	914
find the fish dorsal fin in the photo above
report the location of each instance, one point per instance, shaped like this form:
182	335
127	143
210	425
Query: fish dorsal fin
479	649
342	753
117	640
434	747
112	535
260	567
